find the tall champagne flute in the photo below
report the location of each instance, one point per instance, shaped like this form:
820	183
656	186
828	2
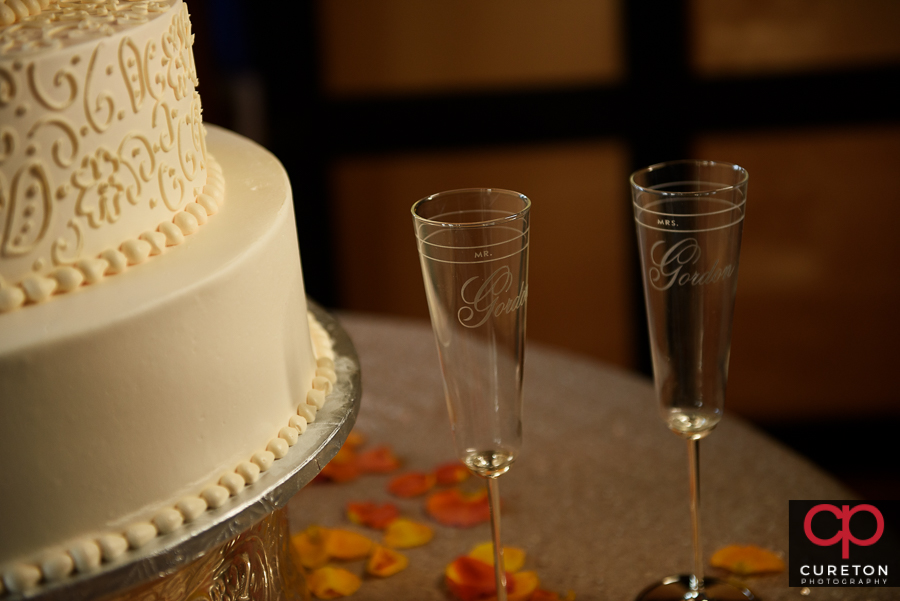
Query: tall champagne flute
690	217
473	248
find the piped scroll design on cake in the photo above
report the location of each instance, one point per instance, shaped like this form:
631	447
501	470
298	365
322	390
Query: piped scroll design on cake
57	199
12	11
72	21
71	272
88	554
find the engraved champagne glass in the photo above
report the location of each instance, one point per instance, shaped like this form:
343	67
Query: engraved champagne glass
473	249
690	217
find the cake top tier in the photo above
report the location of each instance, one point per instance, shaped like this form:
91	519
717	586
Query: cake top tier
101	138
29	26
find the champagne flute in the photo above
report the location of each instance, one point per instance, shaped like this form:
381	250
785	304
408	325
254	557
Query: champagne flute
689	217
473	249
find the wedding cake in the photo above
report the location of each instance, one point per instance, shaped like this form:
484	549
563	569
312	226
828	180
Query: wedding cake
156	353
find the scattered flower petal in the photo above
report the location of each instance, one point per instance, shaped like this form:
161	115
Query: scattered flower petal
331	583
747	560
521	586
342	468
386	562
368	513
411	484
405	534
355	439
344	544
513	557
339	473
309	547
379	460
470	579
451	474
451	507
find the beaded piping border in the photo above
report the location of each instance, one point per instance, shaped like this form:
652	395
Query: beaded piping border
134	251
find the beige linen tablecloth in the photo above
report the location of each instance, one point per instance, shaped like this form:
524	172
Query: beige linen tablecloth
598	497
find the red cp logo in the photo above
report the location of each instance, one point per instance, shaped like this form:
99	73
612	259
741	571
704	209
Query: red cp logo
844	514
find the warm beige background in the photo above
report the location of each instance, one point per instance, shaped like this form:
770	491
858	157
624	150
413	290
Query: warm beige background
754	36
579	279
397	46
816	320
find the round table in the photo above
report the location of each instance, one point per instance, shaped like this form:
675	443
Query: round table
598	497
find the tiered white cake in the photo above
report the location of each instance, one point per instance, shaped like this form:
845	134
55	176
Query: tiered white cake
156	353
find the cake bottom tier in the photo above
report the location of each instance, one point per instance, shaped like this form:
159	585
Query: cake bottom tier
123	397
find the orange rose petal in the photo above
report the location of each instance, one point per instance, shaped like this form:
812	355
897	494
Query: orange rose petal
380	460
355	439
747	560
450	474
411	484
470	579
367	513
346	454
308	547
405	534
343	467
453	508
344	544
338	472
386	562
513	557
331	583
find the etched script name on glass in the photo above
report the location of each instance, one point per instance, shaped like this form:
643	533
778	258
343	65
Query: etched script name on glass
667	269
483	300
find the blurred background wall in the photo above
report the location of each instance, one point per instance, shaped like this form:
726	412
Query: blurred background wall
373	104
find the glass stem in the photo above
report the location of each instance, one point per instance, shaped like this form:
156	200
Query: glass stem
696	580
499	571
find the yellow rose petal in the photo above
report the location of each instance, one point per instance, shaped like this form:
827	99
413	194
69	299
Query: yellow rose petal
746	560
331	583
403	533
513	557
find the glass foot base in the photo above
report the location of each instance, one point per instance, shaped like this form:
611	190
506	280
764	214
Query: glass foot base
677	588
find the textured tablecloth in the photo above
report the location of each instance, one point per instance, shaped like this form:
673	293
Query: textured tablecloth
599	495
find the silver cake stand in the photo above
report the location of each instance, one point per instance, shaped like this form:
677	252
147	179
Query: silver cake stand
240	550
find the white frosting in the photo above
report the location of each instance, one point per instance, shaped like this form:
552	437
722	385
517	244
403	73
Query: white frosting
289	435
232	482
263	460
167	520
308	410
140	387
324	384
146	398
299	423
249	471
21	577
191	507
101	142
278	447
112	546
56	565
215	496
86	555
140	534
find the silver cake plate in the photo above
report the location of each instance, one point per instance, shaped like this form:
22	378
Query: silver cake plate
168	553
